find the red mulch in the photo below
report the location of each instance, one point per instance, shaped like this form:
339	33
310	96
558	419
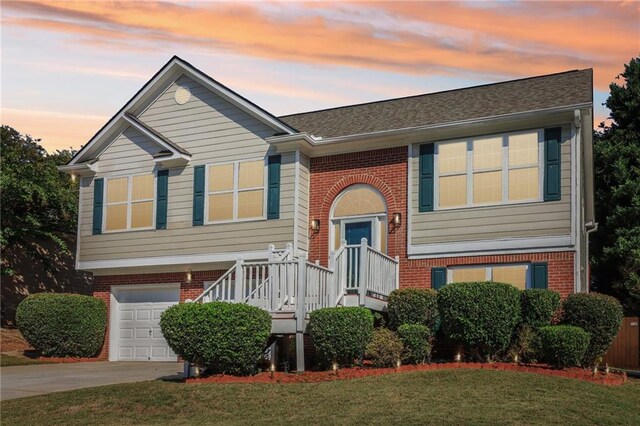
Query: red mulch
611	379
55	360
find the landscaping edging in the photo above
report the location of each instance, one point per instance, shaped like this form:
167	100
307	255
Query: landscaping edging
611	379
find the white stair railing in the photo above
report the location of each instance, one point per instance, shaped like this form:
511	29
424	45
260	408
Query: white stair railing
222	289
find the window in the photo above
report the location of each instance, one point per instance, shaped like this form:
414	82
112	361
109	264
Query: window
236	191
517	275
489	170
130	203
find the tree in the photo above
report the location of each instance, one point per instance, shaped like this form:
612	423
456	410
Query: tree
616	244
38	201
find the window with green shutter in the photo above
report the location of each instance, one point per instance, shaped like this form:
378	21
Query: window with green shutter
273	191
539	275
425	178
438	278
198	195
162	193
552	160
98	200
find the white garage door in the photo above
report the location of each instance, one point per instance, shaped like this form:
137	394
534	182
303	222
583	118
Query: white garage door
139	334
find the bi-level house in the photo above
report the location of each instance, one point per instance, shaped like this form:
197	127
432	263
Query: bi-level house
193	192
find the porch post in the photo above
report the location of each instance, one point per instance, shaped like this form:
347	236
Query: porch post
333	279
239	282
363	269
300	313
397	273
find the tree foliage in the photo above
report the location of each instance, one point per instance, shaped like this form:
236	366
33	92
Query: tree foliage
38	201
616	244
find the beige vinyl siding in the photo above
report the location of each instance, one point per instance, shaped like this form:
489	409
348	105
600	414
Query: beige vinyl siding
303	203
213	131
532	219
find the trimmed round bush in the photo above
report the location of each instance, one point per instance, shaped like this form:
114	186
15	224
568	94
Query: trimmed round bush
63	325
563	345
385	348
340	334
597	314
413	306
481	315
538	306
223	337
416	339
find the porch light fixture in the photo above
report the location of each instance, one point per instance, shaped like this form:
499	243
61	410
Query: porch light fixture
397	219
315	225
189	276
73	177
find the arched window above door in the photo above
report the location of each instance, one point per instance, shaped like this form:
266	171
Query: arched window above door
357	201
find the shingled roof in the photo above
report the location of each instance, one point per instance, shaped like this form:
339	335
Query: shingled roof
528	94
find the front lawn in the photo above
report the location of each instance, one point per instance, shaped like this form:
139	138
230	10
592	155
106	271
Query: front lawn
7	360
449	397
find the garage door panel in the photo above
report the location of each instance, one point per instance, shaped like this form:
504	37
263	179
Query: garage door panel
140	336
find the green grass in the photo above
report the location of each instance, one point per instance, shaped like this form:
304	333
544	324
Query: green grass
10	360
440	397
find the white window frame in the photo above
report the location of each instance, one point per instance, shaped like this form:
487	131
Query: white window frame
129	203
235	191
505	170
489	271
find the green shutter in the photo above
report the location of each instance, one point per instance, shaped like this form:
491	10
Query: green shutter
538	275
552	156
273	189
198	195
425	179
98	194
162	201
438	278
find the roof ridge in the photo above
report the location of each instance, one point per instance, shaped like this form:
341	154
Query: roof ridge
435	93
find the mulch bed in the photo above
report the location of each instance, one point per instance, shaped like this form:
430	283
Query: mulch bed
611	379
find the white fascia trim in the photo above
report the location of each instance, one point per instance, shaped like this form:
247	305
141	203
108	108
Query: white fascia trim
486	247
91	265
83	169
296	201
176	154
311	141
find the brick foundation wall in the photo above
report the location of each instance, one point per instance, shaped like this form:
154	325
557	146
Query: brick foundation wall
102	289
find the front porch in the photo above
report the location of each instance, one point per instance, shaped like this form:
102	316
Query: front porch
290	287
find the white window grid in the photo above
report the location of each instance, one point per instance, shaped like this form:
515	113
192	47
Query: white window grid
504	168
489	271
236	190
129	202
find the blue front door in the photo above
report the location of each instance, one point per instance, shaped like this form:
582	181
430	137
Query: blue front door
354	233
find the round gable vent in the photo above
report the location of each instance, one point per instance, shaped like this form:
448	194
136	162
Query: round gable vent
182	95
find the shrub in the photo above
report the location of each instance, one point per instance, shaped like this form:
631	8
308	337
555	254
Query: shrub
481	315
417	343
385	348
538	306
223	337
340	334
413	306
599	315
563	345
63	325
526	345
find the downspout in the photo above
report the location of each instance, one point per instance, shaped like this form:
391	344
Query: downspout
577	199
589	228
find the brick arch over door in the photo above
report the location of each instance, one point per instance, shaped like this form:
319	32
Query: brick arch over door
385	170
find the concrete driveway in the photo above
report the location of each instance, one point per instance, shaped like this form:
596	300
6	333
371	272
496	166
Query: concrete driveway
29	380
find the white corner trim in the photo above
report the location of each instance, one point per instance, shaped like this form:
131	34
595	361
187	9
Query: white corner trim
296	201
91	265
484	247
77	260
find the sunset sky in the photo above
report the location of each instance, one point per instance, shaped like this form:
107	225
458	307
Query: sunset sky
67	67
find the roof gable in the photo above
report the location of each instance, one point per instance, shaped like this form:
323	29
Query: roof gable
170	72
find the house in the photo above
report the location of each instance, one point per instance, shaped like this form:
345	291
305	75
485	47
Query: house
193	192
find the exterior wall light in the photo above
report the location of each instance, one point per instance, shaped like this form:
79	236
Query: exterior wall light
397	219
315	225
189	276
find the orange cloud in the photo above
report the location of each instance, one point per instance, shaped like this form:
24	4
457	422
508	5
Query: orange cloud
533	38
